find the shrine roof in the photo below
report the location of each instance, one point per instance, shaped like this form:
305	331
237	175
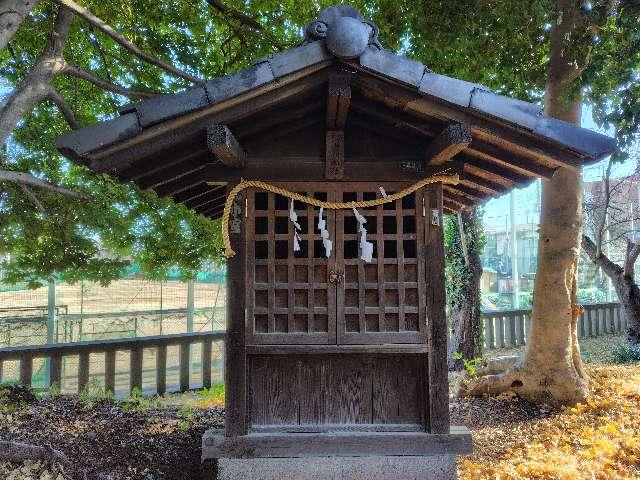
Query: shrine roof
158	141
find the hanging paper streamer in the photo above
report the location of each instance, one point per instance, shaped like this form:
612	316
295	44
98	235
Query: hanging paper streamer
324	233
366	248
382	192
293	216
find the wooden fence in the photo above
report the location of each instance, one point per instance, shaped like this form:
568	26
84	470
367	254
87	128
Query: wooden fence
55	354
511	328
501	329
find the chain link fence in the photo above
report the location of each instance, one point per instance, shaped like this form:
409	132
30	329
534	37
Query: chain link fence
127	308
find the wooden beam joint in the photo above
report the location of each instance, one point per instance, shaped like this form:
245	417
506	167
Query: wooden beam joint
451	141
224	145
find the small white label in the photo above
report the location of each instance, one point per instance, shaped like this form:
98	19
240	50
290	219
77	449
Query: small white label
435	217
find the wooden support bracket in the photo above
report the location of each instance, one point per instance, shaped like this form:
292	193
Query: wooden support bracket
225	146
451	141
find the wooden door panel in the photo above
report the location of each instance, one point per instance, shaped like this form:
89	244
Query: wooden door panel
382	301
290	298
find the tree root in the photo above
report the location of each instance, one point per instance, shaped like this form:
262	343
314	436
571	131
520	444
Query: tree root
18	452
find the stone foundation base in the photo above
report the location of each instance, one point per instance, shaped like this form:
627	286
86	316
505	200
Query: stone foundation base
432	467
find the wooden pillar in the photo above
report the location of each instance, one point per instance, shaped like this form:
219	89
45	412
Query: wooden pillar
438	406
235	355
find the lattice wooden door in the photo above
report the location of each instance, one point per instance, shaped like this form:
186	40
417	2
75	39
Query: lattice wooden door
382	301
290	298
304	298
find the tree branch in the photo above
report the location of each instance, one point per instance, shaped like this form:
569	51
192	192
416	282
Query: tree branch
34	199
121	40
22	178
631	255
66	111
610	268
245	20
12	14
99	82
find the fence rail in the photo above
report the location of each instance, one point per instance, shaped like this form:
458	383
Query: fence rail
54	355
501	329
510	328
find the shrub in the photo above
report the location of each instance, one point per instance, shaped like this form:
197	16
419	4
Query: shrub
626	353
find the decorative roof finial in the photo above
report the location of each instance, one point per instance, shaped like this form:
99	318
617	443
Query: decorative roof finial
346	32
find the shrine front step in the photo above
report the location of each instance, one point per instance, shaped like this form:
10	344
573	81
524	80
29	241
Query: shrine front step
339	455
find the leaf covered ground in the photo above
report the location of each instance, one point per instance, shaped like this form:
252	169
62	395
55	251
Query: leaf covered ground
158	439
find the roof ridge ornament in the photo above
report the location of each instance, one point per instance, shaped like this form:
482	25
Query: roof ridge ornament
346	32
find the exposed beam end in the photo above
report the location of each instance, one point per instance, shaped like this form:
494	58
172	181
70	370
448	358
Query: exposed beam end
451	141
224	145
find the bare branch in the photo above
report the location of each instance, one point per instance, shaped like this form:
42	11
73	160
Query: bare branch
66	111
610	268
34	199
602	224
22	178
631	255
245	20
121	40
99	82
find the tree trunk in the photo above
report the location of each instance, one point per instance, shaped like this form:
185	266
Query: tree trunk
629	296
36	86
466	328
551	371
12	14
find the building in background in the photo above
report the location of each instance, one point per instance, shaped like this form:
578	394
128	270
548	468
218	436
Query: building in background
516	216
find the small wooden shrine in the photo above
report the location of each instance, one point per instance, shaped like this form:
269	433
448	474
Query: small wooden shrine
330	351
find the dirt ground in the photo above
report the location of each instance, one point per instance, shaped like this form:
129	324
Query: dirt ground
513	439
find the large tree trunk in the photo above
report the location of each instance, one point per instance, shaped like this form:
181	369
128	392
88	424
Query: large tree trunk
12	14
551	371
466	328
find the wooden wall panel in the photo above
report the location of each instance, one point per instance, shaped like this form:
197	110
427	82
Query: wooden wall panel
351	391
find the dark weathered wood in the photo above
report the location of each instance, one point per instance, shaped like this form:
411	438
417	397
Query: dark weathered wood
498	155
83	371
206	363
161	369
235	356
184	367
171	173
334	160
345	444
26	369
135	369
110	370
437	333
451	141
304	169
55	373
338	99
224	145
180	184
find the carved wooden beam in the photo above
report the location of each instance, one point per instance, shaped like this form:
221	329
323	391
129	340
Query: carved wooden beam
224	146
451	141
334	155
338	101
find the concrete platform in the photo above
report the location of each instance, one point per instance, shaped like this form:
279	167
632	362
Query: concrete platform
433	467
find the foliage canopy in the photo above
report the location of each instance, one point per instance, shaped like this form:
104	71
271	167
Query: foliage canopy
500	43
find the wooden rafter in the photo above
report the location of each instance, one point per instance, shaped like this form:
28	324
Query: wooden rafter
451	141
224	145
171	173
180	184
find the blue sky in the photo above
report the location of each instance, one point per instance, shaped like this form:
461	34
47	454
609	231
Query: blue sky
527	199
